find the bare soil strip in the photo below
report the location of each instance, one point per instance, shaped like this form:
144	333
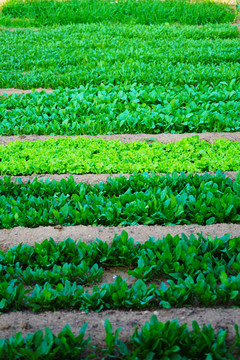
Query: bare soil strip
93	178
15	236
12	91
125	138
6	28
28	322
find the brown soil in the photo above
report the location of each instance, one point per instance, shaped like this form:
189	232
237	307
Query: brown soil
125	138
28	322
93	178
110	275
20	91
15	236
5	28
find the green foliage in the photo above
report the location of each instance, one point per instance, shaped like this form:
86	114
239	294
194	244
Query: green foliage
95	155
51	12
120	54
171	341
81	273
169	258
141	199
37	346
168	340
205	290
121	109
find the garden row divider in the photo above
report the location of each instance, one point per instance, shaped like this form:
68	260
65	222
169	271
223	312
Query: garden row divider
92	179
164	138
11	91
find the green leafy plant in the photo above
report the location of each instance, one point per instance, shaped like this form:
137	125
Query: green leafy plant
171	257
121	109
141	199
120	54
36	346
155	339
89	155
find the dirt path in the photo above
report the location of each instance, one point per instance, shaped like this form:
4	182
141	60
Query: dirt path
28	322
125	138
93	178
15	236
12	91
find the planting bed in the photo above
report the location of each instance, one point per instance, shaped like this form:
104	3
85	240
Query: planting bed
119	126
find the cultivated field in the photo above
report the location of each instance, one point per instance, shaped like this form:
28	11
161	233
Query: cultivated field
119	180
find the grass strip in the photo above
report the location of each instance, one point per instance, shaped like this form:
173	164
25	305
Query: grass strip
40	13
169	258
141	199
105	55
121	109
154	340
91	155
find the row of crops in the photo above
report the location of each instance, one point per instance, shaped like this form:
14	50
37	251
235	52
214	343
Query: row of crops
182	344
141	199
203	271
92	55
119	67
41	13
83	155
197	269
119	109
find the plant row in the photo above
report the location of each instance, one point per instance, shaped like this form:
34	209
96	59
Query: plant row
170	257
105	55
94	155
130	31
154	340
40	13
128	72
121	109
90	48
202	291
141	199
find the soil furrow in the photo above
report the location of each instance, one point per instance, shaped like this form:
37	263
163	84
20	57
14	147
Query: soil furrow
165	138
12	91
15	236
93	178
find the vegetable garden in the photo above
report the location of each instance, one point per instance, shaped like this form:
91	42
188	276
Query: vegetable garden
119	180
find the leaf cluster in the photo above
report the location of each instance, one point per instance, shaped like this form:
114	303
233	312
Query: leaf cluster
171	257
117	54
204	290
141	199
102	109
95	155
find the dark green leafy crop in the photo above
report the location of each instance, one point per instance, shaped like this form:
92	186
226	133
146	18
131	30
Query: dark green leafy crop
45	346
120	54
204	290
168	258
141	199
121	109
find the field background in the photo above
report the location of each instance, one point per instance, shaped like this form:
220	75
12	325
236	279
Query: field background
28	99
